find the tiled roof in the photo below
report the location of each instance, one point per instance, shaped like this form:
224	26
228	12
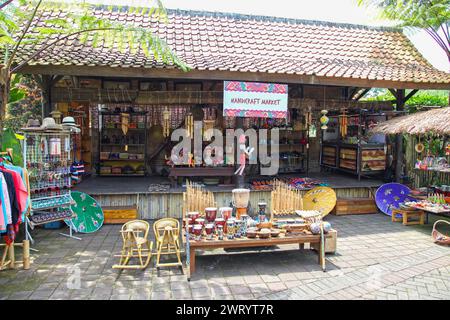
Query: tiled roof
244	43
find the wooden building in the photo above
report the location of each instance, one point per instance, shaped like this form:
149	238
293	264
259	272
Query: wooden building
326	66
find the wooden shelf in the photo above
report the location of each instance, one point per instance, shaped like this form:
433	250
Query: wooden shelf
121	175
125	160
120	144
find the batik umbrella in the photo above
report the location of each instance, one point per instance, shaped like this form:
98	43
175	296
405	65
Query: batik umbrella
88	214
322	199
390	196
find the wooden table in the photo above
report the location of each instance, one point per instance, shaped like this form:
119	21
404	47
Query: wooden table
254	242
443	213
176	172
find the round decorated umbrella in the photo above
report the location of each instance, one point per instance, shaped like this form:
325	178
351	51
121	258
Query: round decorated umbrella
88	214
390	195
322	199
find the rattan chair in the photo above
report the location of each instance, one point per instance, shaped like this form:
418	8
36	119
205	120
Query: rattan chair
135	245
167	234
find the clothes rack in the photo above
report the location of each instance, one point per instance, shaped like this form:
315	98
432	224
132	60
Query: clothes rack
8	260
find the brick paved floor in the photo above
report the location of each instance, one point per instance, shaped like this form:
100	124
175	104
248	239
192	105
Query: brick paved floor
376	259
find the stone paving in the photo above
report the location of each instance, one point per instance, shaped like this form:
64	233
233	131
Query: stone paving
376	259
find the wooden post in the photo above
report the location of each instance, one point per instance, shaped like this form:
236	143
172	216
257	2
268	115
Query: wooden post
12	258
239	178
400	103
26	254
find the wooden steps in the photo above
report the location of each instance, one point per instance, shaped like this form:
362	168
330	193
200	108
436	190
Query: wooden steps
119	215
347	206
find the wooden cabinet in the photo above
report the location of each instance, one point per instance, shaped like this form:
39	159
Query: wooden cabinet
358	152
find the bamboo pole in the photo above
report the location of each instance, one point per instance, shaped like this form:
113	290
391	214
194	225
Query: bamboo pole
26	254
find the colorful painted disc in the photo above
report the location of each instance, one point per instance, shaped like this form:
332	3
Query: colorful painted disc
390	196
322	199
88	213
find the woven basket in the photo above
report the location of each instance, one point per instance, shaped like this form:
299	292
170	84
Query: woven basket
439	237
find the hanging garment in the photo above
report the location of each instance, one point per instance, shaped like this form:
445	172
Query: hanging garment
13	191
24	176
3	215
7	202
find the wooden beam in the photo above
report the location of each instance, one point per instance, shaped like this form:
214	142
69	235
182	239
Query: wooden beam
362	94
412	93
152	73
400	104
55	79
394	92
352	93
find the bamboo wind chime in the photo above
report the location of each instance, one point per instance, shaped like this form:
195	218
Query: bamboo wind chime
166	122
285	199
343	124
197	199
189	125
8	260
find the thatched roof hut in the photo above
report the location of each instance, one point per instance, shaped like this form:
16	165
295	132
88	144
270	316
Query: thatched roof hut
435	121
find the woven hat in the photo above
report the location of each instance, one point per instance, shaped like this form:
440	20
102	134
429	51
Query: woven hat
33	125
69	121
50	124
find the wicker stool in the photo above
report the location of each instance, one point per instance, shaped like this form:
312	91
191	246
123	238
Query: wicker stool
406	214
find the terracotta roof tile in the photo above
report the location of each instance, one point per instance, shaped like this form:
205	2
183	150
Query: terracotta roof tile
222	41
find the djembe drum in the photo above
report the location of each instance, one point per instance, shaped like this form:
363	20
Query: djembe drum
240	200
210	214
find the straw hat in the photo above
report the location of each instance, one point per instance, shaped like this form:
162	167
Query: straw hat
50	124
69	122
32	125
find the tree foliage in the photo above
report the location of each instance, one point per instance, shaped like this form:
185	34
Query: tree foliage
423	98
433	16
81	22
29	107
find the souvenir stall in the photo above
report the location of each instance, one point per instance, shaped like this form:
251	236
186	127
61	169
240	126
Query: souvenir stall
47	157
290	219
14	198
428	153
348	145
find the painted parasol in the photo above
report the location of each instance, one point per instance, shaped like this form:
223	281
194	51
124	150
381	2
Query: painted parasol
322	199
390	196
88	214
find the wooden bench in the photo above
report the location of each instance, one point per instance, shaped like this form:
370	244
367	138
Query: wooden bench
119	215
254	242
226	172
406	214
348	206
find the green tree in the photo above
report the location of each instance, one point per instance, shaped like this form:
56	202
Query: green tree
17	30
28	107
432	16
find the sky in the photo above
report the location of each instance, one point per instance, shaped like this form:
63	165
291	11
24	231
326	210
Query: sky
345	11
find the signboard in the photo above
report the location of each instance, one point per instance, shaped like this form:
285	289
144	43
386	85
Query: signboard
254	99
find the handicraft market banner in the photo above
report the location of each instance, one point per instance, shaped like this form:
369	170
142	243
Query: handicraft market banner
254	99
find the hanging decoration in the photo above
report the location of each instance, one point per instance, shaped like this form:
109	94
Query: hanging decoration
207	133
324	119
166	122
190	125
419	147
343	124
125	121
